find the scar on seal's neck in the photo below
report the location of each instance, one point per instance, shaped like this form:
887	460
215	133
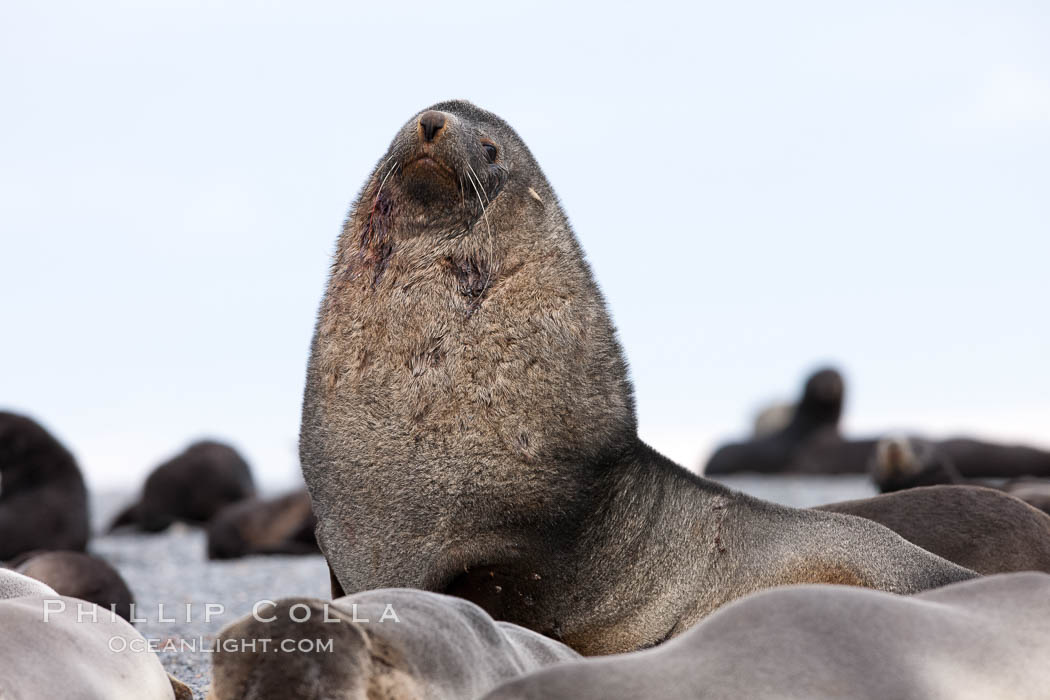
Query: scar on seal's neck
375	244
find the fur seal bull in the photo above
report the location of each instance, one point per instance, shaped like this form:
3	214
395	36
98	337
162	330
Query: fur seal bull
469	428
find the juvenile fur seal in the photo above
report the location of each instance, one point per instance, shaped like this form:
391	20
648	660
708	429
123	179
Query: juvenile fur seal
282	525
980	528
399	644
976	640
469	427
43	500
83	576
814	421
190	487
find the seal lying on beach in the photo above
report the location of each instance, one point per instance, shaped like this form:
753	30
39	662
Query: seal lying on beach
395	643
191	487
987	460
815	418
907	462
812	444
469	427
904	463
283	525
43	500
60	647
975	640
79	575
980	528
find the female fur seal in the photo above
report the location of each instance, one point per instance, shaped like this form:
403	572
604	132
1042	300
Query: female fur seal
83	576
60	647
393	644
281	525
901	463
190	487
469	427
980	528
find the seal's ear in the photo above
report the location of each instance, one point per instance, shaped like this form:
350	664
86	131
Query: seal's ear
128	516
181	690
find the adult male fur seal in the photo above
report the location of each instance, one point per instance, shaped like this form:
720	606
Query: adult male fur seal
469	427
43	500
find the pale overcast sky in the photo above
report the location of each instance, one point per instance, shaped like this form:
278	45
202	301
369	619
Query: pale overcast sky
759	186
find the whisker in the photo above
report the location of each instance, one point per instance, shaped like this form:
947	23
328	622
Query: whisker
483	192
383	182
488	229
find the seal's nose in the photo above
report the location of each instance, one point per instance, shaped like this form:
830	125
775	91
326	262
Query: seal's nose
430	123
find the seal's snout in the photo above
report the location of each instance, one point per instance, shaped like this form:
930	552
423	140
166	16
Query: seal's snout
430	125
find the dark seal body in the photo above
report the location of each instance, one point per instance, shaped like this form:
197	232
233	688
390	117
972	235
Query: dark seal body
281	525
83	576
43	499
468	424
191	487
809	443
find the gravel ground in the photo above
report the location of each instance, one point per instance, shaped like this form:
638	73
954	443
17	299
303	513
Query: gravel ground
172	569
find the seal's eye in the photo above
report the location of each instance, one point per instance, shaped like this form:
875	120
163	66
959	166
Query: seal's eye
490	152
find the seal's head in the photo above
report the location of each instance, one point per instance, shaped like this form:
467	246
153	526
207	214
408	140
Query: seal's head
449	166
902	462
823	395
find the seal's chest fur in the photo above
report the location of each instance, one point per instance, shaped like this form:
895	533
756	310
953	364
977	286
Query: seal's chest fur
420	356
458	352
